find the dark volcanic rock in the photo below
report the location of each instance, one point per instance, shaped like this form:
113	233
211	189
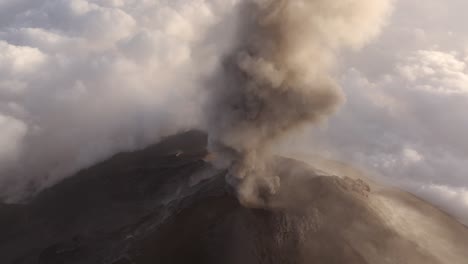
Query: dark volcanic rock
165	204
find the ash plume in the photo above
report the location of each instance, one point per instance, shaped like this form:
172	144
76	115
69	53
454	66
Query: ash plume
279	78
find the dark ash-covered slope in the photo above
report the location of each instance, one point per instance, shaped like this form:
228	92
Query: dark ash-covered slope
165	204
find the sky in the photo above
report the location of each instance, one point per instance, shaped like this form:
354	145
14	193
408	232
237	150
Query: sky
81	80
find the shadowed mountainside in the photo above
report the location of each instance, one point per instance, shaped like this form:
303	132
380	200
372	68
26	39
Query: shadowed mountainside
165	204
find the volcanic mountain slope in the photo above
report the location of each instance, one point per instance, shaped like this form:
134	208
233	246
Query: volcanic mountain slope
165	204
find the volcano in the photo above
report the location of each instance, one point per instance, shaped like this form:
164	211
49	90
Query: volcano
167	204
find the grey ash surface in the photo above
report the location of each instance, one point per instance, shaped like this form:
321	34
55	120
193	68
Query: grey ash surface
165	204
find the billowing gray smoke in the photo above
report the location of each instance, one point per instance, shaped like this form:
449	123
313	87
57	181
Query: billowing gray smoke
82	80
279	78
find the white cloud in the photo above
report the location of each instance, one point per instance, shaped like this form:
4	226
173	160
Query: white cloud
19	60
436	71
393	125
11	139
87	79
18	65
412	156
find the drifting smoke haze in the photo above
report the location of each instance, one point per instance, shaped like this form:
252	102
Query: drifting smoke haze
81	80
281	78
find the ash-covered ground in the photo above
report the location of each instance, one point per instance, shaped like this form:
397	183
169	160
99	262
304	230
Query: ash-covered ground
166	204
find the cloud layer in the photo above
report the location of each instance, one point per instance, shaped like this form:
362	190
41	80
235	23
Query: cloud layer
83	79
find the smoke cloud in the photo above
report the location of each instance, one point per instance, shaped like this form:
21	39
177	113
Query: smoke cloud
81	80
280	77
